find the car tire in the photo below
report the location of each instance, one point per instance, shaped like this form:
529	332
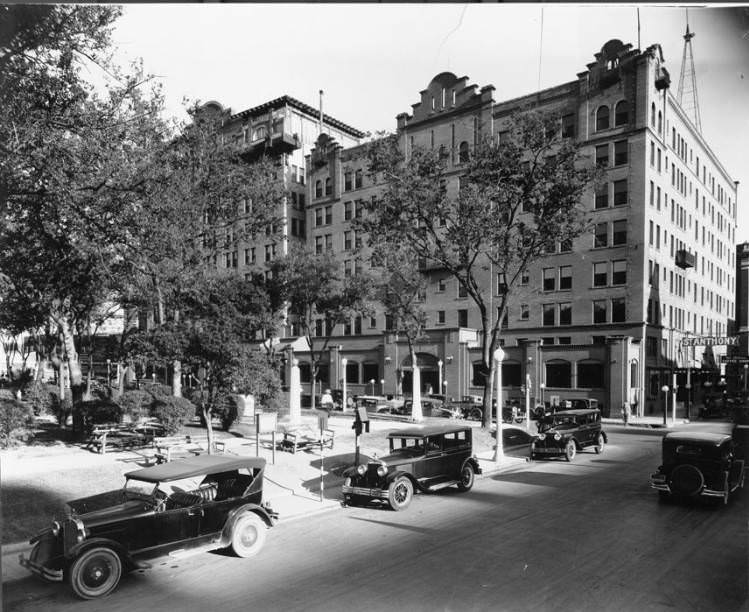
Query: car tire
467	476
96	572
475	414
570	450
600	443
400	493
248	535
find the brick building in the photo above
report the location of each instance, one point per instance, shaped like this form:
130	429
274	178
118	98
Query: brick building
603	317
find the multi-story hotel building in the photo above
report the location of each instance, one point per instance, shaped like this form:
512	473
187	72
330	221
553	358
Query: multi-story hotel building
603	317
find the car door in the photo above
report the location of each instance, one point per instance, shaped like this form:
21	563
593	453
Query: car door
516	442
433	464
165	530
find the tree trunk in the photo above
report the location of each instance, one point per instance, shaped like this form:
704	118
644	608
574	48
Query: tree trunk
416	412
41	365
176	369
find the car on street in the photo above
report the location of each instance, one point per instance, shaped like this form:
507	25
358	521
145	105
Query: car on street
471	406
698	464
564	433
207	500
430	407
421	458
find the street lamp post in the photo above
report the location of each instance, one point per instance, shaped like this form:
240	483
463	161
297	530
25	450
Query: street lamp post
372	383
542	386
499	355
664	388
344	362
444	389
382	386
439	376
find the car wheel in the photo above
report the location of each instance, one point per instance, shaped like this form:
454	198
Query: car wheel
600	443
248	535
400	493
475	414
95	573
570	450
467	476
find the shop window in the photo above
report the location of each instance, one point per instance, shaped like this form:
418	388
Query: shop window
590	375
559	374
352	372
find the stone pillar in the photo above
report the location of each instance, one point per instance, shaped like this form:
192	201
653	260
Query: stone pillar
617	358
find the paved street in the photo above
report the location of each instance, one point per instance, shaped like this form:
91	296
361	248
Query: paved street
554	536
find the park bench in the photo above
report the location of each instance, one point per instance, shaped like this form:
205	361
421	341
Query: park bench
307	436
177	447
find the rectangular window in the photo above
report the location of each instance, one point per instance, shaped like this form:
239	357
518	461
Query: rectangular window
348	208
550	279
650	234
328	242
619	272
440	317
347	181
602	197
599	311
524	277
565	277
524	312
620	232
652	193
602	156
618	314
358	179
347	244
318	244
462	318
620	193
602	235
548	314
600	274
565	246
565	313
462	292
568	126
328	215
319	217
620	152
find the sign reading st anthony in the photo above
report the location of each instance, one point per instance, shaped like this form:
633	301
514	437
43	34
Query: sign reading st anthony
711	341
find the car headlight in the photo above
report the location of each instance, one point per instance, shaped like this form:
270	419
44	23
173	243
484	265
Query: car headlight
361	470
557	436
382	470
55	528
542	436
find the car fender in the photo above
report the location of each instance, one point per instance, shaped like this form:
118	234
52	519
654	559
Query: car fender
236	514
398	473
116	546
350	472
474	463
605	436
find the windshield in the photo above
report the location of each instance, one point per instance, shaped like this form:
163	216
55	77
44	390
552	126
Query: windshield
138	488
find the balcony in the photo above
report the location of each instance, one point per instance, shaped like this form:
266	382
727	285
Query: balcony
273	144
684	259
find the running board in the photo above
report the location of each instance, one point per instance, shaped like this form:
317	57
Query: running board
441	485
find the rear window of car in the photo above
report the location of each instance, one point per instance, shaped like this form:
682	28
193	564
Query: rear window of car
688	450
456	439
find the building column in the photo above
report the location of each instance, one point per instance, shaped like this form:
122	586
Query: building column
617	359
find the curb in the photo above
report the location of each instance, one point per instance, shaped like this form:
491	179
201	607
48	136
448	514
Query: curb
14	548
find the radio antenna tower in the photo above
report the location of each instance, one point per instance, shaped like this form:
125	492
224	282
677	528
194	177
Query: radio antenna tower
687	92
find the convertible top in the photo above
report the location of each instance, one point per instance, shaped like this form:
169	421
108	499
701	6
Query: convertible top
697	437
195	466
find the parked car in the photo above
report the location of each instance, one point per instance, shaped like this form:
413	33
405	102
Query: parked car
472	407
566	432
374	402
424	458
698	464
200	501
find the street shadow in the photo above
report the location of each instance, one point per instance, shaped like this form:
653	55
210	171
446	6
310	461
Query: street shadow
49	433
413	528
538	478
27	510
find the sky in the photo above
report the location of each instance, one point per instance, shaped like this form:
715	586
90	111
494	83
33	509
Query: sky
372	60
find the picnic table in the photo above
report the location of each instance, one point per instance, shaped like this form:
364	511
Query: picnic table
110	436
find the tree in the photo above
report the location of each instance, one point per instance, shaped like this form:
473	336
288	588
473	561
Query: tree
516	198
401	289
205	201
319	296
72	163
221	316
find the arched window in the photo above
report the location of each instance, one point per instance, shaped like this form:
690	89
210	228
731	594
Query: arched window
463	152
621	116
652	114
328	186
590	374
660	121
318	189
602	118
558	374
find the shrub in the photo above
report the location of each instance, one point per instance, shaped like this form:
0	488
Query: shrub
43	397
136	403
227	410
158	391
99	391
16	419
173	412
98	411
